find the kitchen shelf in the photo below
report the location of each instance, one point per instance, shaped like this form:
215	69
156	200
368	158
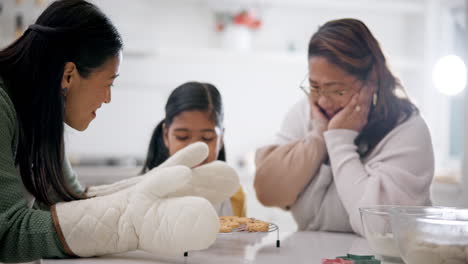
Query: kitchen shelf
231	55
216	54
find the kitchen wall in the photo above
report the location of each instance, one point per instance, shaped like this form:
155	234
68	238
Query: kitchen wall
170	42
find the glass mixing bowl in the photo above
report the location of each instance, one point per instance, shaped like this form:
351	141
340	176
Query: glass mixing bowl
378	232
431	235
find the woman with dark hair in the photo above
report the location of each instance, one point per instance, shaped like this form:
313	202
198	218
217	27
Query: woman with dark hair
354	142
194	112
61	70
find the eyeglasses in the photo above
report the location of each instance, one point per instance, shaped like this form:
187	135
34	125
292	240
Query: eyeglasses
316	92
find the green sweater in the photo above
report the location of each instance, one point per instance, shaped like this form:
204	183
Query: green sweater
26	234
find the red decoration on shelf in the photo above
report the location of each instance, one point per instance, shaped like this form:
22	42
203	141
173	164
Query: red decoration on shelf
243	18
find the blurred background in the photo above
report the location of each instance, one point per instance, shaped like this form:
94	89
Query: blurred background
255	52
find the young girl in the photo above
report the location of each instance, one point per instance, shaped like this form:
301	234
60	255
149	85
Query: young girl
194	112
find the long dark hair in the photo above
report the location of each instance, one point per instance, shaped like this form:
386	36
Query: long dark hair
349	44
187	97
32	68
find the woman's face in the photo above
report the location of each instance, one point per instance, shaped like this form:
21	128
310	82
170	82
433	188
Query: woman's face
331	87
85	95
191	126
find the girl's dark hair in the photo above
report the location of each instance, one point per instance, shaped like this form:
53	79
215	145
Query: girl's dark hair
32	68
349	44
189	96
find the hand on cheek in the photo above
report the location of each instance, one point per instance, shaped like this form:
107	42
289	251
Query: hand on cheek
319	120
355	114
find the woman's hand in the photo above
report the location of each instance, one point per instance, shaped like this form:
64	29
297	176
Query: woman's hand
355	114
319	120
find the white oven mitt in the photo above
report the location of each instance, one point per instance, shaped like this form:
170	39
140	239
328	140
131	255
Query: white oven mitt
215	181
143	216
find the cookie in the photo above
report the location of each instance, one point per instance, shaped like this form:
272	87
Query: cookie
245	220
229	223
225	229
257	226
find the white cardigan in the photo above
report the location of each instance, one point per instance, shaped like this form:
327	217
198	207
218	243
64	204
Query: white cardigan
398	171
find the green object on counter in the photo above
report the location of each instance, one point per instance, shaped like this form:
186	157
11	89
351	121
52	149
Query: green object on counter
360	257
357	259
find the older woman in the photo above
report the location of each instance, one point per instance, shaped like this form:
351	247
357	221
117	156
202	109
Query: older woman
354	142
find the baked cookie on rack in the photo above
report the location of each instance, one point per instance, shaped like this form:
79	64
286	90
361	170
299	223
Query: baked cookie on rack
234	223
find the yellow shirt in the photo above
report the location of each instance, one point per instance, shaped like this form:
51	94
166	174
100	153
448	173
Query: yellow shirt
238	203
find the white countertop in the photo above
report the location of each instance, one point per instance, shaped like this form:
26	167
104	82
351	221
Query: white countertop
296	247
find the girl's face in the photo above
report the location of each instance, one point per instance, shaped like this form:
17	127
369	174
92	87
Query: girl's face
331	88
191	126
85	95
